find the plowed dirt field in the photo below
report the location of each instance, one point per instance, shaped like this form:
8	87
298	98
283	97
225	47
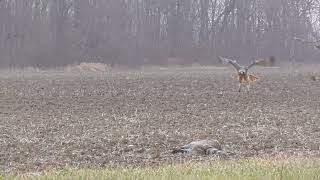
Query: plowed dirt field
57	119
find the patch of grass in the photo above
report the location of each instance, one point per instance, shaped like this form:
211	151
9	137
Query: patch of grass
284	169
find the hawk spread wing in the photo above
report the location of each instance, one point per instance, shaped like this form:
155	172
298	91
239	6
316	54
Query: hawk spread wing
262	62
232	62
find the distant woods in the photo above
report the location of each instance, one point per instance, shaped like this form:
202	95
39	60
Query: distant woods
48	33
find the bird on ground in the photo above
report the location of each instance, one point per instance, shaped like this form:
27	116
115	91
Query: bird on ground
242	71
200	147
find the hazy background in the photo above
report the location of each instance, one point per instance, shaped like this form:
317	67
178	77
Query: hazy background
50	33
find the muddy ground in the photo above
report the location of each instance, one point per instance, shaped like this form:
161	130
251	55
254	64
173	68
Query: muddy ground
56	119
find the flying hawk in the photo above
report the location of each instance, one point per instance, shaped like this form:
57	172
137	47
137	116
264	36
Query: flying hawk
242	71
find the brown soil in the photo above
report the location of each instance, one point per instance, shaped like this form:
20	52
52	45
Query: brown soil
135	118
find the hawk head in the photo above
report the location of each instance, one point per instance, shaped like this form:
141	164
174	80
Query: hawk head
242	71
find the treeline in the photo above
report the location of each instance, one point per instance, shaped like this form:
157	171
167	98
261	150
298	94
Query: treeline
133	32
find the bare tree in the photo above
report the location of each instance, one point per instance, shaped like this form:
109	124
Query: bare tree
60	32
